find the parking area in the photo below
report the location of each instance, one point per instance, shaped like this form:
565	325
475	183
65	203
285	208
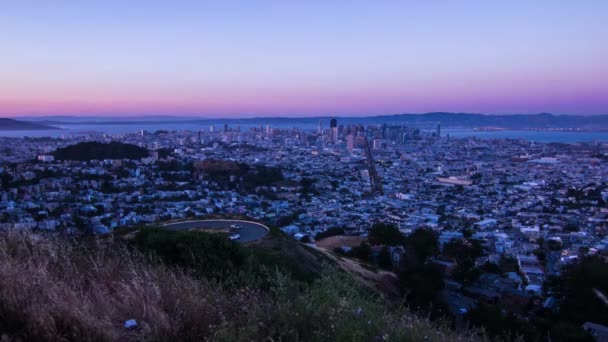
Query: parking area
248	231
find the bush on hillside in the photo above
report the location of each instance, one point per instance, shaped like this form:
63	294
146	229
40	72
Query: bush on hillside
385	234
210	255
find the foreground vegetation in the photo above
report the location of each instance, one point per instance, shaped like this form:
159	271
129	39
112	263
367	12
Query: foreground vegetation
54	289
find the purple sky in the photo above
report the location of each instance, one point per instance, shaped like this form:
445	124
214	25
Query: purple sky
253	58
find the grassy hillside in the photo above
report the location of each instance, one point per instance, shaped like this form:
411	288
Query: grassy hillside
54	289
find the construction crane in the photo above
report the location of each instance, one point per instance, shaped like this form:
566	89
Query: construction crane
374	178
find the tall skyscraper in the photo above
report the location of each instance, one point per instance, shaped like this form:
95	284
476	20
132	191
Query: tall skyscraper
320	128
438	129
333	125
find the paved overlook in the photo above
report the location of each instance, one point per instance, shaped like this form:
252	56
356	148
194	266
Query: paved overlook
250	231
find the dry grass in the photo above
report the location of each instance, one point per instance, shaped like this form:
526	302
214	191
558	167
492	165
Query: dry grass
333	242
52	289
382	281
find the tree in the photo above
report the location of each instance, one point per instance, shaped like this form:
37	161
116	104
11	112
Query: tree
458	249
497	323
422	243
581	285
571	227
209	255
385	234
307	185
384	259
91	150
508	264
466	272
363	251
6	179
421	284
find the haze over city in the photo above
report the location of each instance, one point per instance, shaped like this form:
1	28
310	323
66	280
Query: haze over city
272	58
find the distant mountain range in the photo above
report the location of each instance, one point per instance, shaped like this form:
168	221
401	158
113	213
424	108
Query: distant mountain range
15	125
524	121
427	120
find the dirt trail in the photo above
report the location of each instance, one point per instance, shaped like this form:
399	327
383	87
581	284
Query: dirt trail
384	282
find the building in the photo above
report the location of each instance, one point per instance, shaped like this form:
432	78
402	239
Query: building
333	125
46	158
453	180
350	142
377	144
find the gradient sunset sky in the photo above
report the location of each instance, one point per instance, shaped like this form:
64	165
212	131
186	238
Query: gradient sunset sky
298	58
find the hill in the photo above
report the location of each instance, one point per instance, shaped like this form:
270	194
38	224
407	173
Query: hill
93	150
53	288
15	125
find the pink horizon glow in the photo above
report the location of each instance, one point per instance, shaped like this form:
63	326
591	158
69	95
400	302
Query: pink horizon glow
280	59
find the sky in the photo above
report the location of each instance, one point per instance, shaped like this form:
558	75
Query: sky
302	58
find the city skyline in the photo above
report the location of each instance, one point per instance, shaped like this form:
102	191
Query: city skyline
277	59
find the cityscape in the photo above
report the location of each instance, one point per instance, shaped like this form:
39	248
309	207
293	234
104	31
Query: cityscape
266	170
533	209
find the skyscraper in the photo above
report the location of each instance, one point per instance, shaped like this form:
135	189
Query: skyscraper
350	142
438	129
333	124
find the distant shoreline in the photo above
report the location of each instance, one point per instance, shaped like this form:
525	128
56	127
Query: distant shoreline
12	125
543	121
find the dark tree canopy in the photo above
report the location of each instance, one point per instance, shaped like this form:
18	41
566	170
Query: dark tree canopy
211	255
5	179
422	243
581	284
384	259
93	150
385	234
462	249
421	284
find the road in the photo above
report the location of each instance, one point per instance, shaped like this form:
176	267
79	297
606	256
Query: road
251	231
